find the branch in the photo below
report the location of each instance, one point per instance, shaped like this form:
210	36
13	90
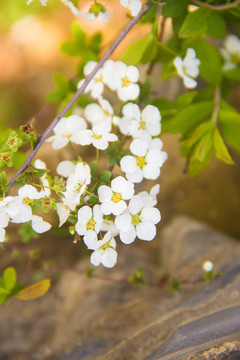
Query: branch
105	57
216	7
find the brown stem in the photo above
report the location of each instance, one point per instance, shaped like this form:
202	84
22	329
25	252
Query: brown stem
216	7
109	52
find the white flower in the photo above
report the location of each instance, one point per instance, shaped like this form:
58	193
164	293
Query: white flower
109	225
135	123
76	185
133	5
17	207
43	2
106	253
89	224
100	113
150	199
188	68
4	217
122	78
112	199
145	164
96	86
39	225
138	221
231	52
65	168
2	235
63	212
66	130
45	192
99	136
207	266
98	11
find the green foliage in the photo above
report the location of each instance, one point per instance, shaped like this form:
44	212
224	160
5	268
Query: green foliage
137	278
230	127
195	23
116	154
27	233
173	8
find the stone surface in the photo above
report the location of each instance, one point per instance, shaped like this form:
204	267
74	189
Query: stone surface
92	319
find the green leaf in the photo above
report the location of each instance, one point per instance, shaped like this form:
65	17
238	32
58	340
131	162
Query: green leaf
164	54
95	42
27	233
230	127
232	74
195	24
177	22
190	117
78	33
18	159
216	25
210	67
134	53
106	175
198	133
34	291
220	148
186	99
9	278
3	178
173	8
150	15
203	147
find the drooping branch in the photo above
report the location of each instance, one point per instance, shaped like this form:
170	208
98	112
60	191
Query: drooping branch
216	7
105	57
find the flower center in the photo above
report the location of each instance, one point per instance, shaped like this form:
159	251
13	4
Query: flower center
106	113
235	58
97	137
98	79
135	219
27	201
142	124
5	157
78	187
12	141
125	81
140	160
68	136
116	197
90	224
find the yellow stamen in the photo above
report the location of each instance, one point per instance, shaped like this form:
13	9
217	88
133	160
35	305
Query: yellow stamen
90	224
135	219
140	160
116	197
125	81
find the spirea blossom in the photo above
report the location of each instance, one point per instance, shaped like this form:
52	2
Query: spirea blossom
105	252
113	198
89	224
188	68
144	163
133	5
96	85
231	52
134	122
122	79
98	11
103	112
137	221
67	130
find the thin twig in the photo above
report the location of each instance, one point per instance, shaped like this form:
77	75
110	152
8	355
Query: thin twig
109	52
216	7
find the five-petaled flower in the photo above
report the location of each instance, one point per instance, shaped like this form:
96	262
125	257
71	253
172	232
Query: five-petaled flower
105	252
188	68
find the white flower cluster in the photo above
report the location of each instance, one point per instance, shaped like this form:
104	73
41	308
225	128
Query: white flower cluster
17	209
188	68
118	209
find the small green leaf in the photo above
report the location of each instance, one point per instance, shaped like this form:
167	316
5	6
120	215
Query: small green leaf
105	175
198	133
203	147
173	8
195	24
3	178
78	33
134	53
232	74
190	117
230	127
216	25
220	148
186	99
9	278
27	233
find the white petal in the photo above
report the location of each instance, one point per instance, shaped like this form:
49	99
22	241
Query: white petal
39	225
109	258
2	235
135	204
189	82
136	176
128	163
58	142
63	212
132	73
119	184
123	222
151	214
119	207
84	214
127	237
151	171
146	231
65	168
104	193
96	257
90	239
138	147
107	207
83	137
